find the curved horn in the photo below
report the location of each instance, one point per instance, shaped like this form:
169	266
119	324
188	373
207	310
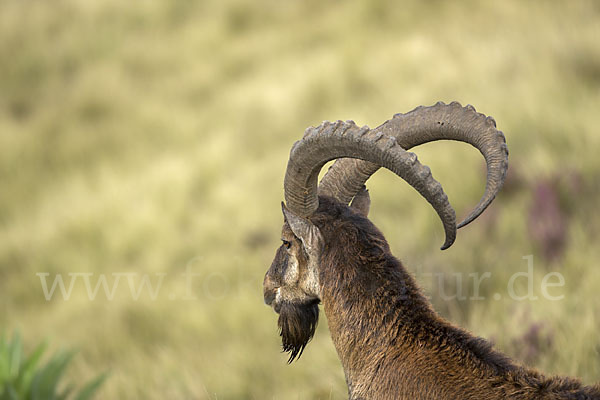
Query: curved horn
344	139
426	124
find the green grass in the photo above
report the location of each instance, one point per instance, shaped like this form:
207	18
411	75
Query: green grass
148	136
24	378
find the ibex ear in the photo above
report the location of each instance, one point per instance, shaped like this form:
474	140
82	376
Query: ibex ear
361	202
305	230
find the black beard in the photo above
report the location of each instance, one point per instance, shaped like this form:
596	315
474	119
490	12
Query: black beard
297	324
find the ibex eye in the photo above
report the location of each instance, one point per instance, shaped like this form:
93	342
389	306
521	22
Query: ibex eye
286	244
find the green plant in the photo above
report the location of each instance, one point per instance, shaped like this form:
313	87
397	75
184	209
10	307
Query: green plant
24	378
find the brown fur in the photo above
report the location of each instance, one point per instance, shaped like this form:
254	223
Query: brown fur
392	344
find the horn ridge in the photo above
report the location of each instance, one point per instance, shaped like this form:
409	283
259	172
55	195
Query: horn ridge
324	143
422	125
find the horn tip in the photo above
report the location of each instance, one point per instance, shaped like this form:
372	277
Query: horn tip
470	218
450	238
447	245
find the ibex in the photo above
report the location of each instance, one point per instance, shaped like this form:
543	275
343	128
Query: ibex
391	343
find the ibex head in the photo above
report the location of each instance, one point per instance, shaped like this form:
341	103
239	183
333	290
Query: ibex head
292	284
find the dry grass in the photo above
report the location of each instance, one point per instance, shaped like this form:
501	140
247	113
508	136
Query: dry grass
149	136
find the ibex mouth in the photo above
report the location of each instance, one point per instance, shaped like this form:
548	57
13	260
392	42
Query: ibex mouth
270	297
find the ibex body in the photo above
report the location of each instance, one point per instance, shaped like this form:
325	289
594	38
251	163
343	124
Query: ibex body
390	341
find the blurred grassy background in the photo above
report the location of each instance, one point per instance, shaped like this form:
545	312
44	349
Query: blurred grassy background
152	136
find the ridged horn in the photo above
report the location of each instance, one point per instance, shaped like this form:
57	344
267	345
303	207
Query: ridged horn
427	124
330	141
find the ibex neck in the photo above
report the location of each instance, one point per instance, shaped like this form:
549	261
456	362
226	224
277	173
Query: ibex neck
385	331
369	311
